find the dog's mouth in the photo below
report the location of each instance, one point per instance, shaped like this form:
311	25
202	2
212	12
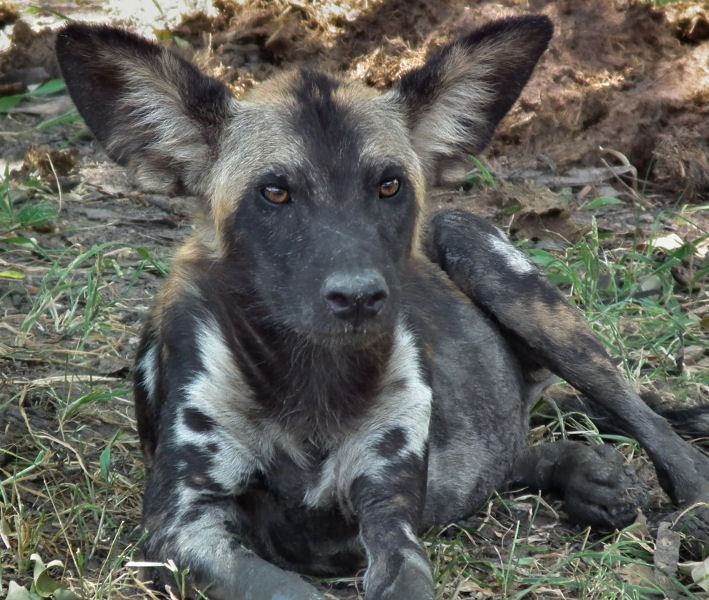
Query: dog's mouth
349	335
354	337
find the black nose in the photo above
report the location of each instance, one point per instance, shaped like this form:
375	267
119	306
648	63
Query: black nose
355	296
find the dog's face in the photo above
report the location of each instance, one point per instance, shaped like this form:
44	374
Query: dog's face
323	188
313	184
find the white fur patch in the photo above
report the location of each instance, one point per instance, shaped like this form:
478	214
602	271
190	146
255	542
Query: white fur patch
190	536
148	370
514	259
409	532
404	403
220	393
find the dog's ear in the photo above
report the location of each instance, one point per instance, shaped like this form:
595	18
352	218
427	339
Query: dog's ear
453	103
151	110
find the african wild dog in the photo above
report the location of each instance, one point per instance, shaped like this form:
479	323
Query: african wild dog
323	375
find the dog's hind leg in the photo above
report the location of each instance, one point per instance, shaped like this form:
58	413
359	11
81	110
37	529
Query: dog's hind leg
490	270
691	422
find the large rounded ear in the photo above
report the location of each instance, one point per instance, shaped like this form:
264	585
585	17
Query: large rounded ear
455	100
151	110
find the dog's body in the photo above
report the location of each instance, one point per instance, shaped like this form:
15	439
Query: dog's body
319	381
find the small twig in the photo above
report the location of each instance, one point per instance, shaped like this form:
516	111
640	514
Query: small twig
56	179
626	163
46	381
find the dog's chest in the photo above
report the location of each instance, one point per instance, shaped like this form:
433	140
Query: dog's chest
309	465
290	480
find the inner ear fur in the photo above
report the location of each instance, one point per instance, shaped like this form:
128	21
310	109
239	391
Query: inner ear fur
151	110
456	99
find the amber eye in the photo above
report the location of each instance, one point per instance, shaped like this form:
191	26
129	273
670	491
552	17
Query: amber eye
275	194
389	188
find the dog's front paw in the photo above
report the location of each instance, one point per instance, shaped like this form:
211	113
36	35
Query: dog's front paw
600	489
404	576
256	579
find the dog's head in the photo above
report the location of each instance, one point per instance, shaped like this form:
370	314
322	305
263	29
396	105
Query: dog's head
316	180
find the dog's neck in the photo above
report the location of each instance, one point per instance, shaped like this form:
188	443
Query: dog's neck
307	387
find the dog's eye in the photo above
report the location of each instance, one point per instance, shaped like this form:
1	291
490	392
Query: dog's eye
389	188
275	194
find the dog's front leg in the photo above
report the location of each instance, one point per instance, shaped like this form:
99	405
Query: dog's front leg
384	469
378	475
388	506
195	524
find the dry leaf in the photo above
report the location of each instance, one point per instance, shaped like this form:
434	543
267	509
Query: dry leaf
672	242
700	574
472	587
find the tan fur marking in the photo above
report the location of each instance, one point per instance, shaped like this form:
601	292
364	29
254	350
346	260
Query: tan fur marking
385	134
562	323
261	135
438	127
257	137
180	284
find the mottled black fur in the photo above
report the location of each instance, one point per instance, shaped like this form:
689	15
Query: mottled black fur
319	381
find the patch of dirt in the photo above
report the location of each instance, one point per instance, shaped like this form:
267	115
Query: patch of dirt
29	48
689	21
620	75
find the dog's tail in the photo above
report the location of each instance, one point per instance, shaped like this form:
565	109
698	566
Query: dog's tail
689	422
